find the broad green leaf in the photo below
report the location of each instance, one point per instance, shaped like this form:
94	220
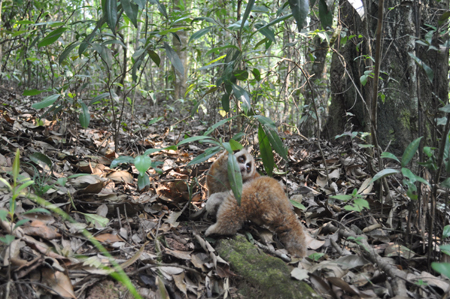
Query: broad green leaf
67	51
20	223
272	133
95	219
383	173
256	74
226	102
208	153
47	101
39	157
218	124
120	160
241	75
298	205
194	138
443	268
143	181
109	8
300	9
445	109
131	10
161	8
408	173
173	56
32	92
51	37
446	183
428	71
140	3
200	33
388	155
85	117
248	9
267	32
3	215
235	177
243	96
235	145
325	15
142	163
361	202
410	151
446	233
154	56
7	239
98	98
445	247
265	151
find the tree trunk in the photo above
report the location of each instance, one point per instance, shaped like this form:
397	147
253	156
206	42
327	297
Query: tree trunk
398	107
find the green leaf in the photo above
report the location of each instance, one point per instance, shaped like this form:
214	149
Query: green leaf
361	202
248	9
267	32
131	10
243	96
443	268
67	51
7	239
143	181
428	71
383	173
256	74
241	74
235	145
16	166
218	124
446	183
98	98
388	155
200	33
142	163
47	101
265	151
325	15
85	117
32	92
278	20
37	210
208	153
109	8
235	177
3	215
410	151
298	205
120	160
194	138
226	102
300	9
408	173
272	133
39	157
446	232
96	219
154	56
173	56
20	223
51	37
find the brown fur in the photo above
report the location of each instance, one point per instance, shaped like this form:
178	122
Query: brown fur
264	203
217	178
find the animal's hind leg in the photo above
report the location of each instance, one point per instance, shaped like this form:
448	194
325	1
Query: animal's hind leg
230	218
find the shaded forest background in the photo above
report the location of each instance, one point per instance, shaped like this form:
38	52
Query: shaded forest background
371	75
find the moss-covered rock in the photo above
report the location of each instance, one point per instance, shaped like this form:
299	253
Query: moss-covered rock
262	276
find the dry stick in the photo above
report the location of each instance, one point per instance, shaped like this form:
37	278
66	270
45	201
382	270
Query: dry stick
398	277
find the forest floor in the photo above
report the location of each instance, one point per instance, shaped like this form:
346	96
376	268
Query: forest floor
354	249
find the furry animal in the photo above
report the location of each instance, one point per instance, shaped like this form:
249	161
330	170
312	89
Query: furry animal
217	178
264	203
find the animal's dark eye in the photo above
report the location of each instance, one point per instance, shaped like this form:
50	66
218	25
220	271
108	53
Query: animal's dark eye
249	167
241	159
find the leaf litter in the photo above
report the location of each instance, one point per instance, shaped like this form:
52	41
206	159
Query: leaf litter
150	232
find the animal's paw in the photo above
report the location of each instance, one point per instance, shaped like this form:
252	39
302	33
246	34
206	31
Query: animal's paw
214	201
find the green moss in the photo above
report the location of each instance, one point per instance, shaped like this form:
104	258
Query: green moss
263	276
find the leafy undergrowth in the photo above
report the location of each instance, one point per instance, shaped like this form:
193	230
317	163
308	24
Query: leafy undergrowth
358	245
